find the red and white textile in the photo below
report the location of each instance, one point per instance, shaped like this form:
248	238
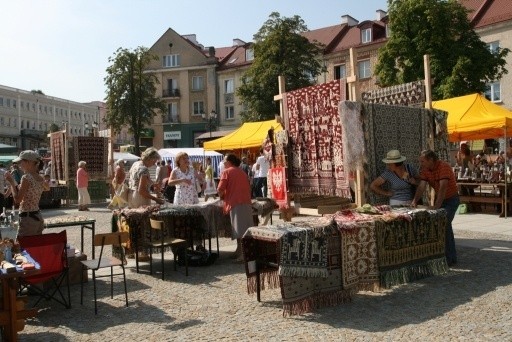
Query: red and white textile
314	127
277	177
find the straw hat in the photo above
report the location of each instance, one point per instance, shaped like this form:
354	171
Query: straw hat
393	156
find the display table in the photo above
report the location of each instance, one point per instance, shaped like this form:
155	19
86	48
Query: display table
12	313
53	197
487	193
190	222
71	221
324	261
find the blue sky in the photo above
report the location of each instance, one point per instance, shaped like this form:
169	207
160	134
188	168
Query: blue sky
62	46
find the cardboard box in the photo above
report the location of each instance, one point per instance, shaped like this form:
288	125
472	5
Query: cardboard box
75	267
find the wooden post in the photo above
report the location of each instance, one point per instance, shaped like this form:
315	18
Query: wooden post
279	97
428	105
353	95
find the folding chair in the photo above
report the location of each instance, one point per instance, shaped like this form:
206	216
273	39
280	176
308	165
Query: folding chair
109	239
159	241
49	250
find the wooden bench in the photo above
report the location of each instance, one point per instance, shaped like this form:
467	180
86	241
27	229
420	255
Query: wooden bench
482	199
331	209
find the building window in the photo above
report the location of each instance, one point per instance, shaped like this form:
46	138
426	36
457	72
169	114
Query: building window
366	35
340	72
229	113
171	61
13	103
363	68
249	55
229	86
197	83
493	92
494	47
198	108
172	112
8	102
1	101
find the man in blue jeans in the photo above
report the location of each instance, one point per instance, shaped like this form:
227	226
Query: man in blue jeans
439	175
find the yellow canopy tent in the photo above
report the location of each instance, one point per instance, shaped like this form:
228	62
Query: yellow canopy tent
473	117
249	135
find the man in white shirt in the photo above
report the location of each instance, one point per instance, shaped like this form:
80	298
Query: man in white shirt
161	172
2	185
262	166
221	168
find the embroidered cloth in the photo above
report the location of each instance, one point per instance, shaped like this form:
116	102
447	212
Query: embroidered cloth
313	123
58	143
94	151
410	250
277	178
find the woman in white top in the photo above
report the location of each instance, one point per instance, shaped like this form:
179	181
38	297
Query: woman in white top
184	178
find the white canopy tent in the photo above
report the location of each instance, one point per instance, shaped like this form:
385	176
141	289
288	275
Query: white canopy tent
196	154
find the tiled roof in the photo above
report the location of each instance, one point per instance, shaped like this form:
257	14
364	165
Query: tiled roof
236	59
488	12
325	35
223	52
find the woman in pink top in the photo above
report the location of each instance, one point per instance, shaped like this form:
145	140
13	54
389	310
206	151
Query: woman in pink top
82	182
234	189
29	193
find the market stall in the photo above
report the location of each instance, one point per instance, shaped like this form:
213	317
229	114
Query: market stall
473	117
325	261
195	154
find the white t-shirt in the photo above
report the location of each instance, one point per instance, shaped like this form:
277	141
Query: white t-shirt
264	166
221	168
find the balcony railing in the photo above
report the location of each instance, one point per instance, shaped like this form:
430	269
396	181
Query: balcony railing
171	93
229	98
171	118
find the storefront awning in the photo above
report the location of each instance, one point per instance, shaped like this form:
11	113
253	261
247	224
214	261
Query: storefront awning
249	135
214	134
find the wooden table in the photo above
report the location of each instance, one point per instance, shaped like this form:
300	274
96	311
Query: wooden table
72	221
10	316
480	196
328	259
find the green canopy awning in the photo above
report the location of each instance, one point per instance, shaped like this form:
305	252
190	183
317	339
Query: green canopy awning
6	159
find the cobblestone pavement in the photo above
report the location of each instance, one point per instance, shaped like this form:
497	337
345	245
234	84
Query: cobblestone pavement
472	302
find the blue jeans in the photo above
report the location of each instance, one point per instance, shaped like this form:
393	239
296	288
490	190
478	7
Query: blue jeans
450	205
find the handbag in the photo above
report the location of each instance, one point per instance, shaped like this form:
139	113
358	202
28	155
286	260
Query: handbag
414	187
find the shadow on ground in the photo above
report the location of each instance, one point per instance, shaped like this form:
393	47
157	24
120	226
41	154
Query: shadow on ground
477	273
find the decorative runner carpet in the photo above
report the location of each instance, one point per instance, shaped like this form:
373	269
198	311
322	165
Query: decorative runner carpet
300	294
358	247
409	250
304	248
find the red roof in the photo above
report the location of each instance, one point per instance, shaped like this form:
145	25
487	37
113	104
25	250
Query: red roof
488	12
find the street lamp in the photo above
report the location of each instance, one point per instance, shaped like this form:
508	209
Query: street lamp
94	128
211	118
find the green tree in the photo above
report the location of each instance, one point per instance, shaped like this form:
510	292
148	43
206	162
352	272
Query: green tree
54	127
131	99
279	50
460	62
